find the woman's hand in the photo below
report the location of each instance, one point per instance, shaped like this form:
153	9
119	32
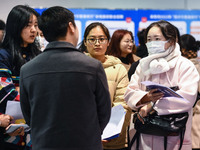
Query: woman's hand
104	141
153	96
5	120
19	131
144	112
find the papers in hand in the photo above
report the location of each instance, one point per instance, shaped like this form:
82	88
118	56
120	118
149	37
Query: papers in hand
168	92
12	127
115	123
13	109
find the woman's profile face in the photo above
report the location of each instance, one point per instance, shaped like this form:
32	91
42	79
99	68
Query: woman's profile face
126	45
155	34
29	32
96	42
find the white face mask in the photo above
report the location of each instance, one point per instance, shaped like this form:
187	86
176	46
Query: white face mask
42	41
155	47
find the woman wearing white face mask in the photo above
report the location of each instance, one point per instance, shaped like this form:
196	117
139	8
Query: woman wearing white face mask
167	67
156	47
42	41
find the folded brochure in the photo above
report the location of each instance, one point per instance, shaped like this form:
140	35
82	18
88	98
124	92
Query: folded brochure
12	127
168	92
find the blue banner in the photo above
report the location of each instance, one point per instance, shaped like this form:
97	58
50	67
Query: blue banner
187	21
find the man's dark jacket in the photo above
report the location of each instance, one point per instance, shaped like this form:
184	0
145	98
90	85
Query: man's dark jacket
65	99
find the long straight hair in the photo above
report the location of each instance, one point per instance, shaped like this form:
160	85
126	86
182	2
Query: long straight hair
18	18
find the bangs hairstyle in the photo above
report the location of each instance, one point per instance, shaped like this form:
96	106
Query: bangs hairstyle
54	22
168	30
93	25
18	18
87	31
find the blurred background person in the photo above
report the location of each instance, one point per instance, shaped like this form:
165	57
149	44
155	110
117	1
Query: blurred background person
41	40
122	46
141	50
95	43
189	46
198	51
189	50
2	30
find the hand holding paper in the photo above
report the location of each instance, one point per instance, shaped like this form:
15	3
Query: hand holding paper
13	109
168	92
12	127
5	120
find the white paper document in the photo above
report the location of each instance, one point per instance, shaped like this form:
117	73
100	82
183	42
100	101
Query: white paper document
115	123
13	109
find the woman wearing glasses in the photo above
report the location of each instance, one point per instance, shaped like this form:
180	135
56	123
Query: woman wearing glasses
95	43
122	46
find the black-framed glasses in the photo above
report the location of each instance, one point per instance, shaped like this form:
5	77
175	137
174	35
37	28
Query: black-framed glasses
94	40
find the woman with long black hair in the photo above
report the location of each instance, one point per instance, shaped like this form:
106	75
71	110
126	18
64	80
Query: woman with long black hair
18	47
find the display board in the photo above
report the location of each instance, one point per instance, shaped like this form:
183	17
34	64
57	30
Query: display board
187	21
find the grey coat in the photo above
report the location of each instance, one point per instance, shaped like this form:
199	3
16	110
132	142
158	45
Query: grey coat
65	99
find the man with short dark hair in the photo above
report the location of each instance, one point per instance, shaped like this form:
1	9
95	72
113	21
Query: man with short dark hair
63	93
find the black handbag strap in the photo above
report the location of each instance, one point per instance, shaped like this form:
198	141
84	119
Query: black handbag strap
137	137
165	142
181	138
128	136
138	140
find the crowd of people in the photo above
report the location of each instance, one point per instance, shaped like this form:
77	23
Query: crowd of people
67	92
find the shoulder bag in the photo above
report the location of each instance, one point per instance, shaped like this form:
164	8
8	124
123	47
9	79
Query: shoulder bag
160	125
